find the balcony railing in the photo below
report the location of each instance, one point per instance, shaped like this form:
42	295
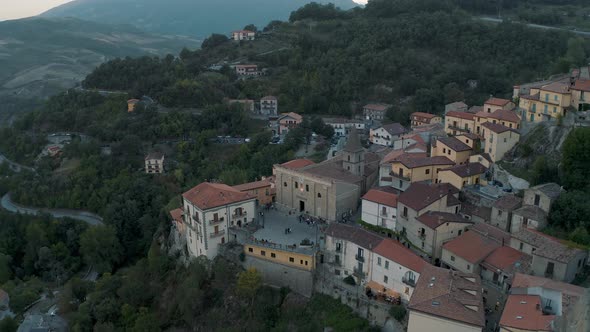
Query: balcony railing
239	215
196	219
216	221
409	282
358	272
360	258
216	234
384	213
399	176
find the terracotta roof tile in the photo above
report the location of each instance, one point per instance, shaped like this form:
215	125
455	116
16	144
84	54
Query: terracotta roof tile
420	195
498	128
492	232
504	115
497	101
508	203
253	185
412	162
582	85
297	163
547	246
505	258
210	195
292	115
383	195
467	169
454	144
356	235
377	107
472	247
523	312
460	115
434	219
449	294
395	251
557	87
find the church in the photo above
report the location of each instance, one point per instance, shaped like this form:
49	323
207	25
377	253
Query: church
329	189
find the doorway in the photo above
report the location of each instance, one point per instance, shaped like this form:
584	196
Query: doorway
301	206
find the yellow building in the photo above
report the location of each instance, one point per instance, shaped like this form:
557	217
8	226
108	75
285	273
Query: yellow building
131	103
452	148
463	175
493	104
581	95
280	254
457	123
498	139
470	139
546	103
407	170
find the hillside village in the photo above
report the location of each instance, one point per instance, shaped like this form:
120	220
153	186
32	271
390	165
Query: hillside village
415	217
416	225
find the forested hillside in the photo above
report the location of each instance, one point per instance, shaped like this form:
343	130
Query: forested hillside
390	51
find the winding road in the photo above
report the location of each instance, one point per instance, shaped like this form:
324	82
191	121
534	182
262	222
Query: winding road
87	217
537	26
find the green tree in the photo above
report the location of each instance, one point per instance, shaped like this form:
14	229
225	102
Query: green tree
8	324
146	322
576	159
251	27
249	282
100	248
5	270
214	40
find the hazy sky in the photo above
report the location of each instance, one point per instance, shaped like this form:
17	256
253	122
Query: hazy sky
11	9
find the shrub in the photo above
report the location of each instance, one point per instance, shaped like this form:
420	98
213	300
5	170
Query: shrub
398	312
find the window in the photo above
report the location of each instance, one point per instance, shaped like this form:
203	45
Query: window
554	109
449	152
468	267
444	150
338	246
387	264
422	244
291	259
301	261
307	187
379	261
273	255
504	139
385	279
319	195
460	231
405	212
284	184
262	252
452	258
499	213
296	184
427	171
555	98
250	250
305	263
521	245
537	200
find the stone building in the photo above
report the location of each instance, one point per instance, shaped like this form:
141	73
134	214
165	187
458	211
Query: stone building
331	188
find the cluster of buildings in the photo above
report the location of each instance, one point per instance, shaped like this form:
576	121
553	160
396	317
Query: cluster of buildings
440	251
240	35
554	98
267	105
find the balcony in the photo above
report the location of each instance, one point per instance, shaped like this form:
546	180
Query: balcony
216	234
400	176
360	258
465	130
358	272
336	263
216	221
239	215
409	282
384	213
196	219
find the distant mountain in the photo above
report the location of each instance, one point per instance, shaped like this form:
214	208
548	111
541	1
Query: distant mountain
41	56
197	18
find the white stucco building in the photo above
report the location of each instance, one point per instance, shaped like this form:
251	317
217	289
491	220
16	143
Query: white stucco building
379	207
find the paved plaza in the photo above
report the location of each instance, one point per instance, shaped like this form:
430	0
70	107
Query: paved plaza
275	222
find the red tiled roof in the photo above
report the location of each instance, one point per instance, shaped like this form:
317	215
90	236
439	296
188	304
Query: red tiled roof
293	115
297	163
434	219
454	144
377	107
498	128
467	169
582	85
356	235
504	115
411	162
529	281
209	195
420	195
396	154
398	253
176	214
252	185
382	196
450	295
504	258
556	87
460	115
497	101
424	115
472	247
508	202
523	312
530	97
